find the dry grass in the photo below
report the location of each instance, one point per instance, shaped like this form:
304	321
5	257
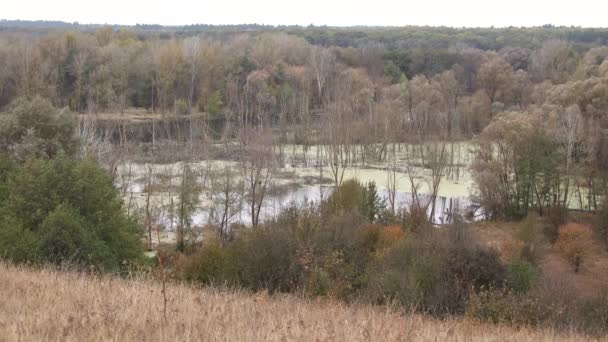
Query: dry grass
48	305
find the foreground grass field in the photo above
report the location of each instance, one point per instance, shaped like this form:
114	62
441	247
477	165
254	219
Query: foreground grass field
48	305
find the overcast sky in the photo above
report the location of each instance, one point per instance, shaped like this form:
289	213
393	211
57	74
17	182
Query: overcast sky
459	13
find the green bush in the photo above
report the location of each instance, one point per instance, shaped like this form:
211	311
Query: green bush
332	277
352	196
521	276
504	306
212	264
17	244
65	210
181	107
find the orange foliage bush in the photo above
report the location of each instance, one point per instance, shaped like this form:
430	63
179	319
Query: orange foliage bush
391	235
574	241
377	240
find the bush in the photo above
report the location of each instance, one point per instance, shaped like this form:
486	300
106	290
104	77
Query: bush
34	128
435	272
181	107
602	223
17	244
464	272
333	277
268	259
574	242
521	276
531	235
417	220
504	306
63	238
555	217
212	264
62	210
595	314
352	196
553	304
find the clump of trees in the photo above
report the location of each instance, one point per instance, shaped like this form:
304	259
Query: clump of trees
35	128
335	249
55	207
65	211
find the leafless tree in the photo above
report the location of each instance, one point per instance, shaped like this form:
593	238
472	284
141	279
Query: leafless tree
226	197
258	167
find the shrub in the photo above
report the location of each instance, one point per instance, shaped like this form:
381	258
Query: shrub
464	272
34	128
16	243
435	272
551	302
504	306
211	264
346	198
574	242
333	277
417	220
521	275
602	223
555	217
530	234
181	107
352	196
73	213
63	238
595	313
268	259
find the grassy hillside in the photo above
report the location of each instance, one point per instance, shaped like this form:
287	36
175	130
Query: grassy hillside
50	305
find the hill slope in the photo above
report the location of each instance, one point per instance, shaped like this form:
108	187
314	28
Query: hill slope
50	305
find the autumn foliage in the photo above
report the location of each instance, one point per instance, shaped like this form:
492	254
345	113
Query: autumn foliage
574	242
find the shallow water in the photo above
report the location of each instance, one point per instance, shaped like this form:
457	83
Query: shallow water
445	208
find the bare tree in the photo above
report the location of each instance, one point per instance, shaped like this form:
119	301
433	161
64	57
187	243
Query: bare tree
188	200
391	183
571	126
258	165
436	158
226	197
322	63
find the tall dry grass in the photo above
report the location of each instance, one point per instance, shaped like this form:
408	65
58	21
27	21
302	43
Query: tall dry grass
48	305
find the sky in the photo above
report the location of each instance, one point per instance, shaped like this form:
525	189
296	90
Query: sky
456	13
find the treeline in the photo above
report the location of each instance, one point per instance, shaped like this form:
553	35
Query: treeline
440	81
539	110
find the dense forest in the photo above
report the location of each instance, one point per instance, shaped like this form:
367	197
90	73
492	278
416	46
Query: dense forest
113	135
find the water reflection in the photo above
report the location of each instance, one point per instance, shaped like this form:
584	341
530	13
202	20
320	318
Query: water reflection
445	207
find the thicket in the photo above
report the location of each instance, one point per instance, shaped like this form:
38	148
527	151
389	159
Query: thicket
54	206
334	250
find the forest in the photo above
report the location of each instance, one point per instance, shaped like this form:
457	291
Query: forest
454	172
